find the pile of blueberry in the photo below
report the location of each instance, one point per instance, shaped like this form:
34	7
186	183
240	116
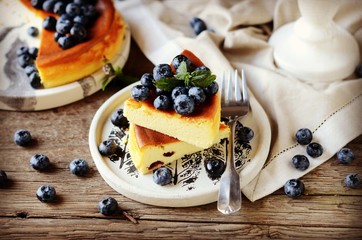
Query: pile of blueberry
183	89
72	25
26	59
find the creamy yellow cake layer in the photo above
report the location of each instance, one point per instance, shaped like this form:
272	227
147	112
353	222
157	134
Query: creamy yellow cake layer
150	149
199	129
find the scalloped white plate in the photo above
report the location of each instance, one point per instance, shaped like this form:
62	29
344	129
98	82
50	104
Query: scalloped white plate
191	186
15	90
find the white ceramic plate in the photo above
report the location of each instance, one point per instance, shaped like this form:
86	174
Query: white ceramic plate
15	90
191	185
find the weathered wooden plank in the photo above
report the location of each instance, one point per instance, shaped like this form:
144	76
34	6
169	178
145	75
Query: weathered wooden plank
120	228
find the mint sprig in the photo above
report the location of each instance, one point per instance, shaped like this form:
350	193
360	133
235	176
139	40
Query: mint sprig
112	73
198	78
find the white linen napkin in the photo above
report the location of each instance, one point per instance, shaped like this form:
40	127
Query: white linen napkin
239	39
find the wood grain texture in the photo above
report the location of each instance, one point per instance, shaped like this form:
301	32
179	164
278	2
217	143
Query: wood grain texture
328	210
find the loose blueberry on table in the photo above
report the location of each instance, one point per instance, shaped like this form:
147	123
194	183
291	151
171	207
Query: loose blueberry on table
300	162
162	176
46	193
294	188
3	178
345	156
314	150
39	162
79	167
23	137
108	206
304	136
352	180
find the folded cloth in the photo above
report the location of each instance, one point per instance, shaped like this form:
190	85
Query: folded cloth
238	38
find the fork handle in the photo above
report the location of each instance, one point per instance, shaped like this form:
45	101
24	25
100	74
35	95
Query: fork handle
229	193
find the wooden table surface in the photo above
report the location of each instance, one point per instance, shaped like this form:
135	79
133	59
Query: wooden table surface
327	210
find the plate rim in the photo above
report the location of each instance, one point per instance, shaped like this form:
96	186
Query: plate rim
160	199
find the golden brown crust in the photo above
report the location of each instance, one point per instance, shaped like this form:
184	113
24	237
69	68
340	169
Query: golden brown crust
148	137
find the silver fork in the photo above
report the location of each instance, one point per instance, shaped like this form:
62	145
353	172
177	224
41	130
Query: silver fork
234	105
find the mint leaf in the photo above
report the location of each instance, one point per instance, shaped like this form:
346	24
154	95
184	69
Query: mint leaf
182	71
167	84
202	78
106	80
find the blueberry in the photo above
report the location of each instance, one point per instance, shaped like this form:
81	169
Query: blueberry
108	147
147	80
162	92
352	180
162	176
59	8
72	9
49	23
176	61
184	105
358	70
162	71
48	5
162	102
214	168
177	91
79	32
35	81
197	94
39	162
345	156
65	16
30	69
3	178
304	136
33	31
140	92
23	137
25	60
37	3
245	134
90	11
22	50
314	150
66	42
108	206
211	89
46	193
202	68
81	19
79	167
64	25
300	162
198	25
118	119
33	51
57	36
294	188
